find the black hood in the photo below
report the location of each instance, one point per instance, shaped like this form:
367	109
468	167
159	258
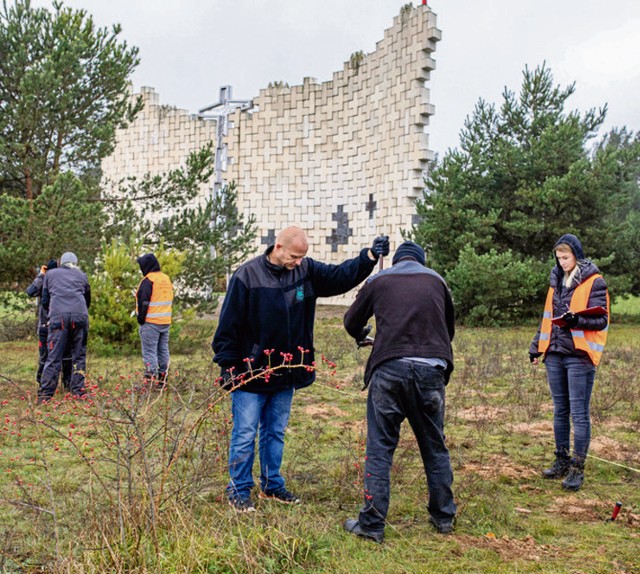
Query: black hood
573	242
148	263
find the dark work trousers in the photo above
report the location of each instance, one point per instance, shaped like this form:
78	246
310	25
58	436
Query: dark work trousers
400	389
65	330
43	353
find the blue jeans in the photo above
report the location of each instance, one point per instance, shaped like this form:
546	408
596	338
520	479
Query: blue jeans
571	382
402	389
155	348
269	413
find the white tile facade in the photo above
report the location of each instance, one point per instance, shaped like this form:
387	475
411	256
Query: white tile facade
344	159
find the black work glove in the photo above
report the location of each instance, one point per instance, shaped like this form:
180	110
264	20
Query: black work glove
380	246
226	379
570	318
363	340
534	356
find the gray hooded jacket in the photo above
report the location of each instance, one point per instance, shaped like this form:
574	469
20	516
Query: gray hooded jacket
66	291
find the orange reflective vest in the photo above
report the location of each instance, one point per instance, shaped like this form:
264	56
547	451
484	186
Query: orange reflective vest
591	342
159	311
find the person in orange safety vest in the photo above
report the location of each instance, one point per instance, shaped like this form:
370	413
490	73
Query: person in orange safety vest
154	300
570	340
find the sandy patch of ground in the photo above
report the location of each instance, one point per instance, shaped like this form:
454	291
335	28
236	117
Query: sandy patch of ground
614	424
611	449
534	429
591	510
496	466
513	548
324	411
483	413
586	509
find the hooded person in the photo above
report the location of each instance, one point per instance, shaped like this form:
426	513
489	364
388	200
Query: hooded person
66	297
571	338
154	302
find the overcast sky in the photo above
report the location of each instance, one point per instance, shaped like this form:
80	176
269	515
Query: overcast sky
189	48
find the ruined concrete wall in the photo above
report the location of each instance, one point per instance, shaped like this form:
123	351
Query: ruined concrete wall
343	159
158	140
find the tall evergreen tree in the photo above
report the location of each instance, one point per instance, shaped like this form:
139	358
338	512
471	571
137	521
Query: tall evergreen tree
165	209
63	93
617	157
522	177
65	216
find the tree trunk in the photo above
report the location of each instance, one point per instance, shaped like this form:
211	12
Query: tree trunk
28	181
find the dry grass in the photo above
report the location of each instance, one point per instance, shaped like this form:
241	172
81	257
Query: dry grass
138	484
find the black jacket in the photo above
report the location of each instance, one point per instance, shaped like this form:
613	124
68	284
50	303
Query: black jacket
148	263
413	311
35	290
270	308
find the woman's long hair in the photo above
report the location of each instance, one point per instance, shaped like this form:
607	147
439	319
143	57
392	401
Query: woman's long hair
575	273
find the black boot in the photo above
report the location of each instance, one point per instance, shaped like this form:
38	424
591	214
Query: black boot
559	468
161	381
575	478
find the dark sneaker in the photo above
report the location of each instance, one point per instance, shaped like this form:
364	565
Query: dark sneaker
559	468
282	495
353	526
443	527
242	504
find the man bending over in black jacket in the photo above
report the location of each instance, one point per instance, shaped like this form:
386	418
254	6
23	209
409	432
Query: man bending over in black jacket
407	372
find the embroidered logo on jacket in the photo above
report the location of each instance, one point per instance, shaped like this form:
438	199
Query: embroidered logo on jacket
300	293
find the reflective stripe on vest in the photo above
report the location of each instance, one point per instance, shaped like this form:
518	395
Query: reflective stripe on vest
591	342
159	311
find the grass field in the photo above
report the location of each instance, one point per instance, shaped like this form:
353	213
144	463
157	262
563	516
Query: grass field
627	308
134	482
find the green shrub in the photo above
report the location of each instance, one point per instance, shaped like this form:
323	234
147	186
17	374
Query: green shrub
113	328
496	288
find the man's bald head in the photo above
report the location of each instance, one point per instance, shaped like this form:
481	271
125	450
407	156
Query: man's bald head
292	235
291	246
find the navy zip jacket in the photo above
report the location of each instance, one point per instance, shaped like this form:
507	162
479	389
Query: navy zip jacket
270	308
414	315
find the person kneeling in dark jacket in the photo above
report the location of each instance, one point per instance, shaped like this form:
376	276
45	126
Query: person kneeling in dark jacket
407	372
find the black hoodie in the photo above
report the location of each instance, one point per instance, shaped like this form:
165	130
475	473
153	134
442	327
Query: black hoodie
148	264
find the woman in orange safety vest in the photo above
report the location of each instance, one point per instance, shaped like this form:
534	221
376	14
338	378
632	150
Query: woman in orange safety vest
571	338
